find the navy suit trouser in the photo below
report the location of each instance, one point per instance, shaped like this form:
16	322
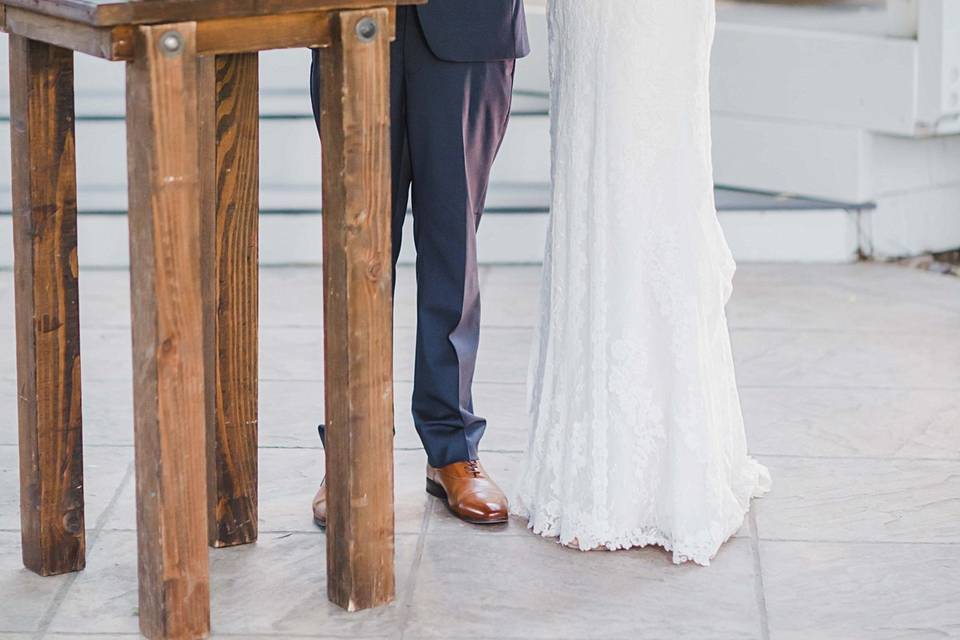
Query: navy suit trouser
447	122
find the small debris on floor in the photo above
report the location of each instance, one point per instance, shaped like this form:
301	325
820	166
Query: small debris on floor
945	262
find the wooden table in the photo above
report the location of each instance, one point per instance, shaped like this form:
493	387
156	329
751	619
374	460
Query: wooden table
192	125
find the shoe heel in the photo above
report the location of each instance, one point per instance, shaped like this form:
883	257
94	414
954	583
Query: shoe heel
434	489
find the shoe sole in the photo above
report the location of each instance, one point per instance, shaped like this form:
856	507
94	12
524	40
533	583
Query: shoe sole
437	491
322	524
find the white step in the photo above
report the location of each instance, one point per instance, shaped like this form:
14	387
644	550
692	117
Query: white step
759	228
828	161
813	76
834	64
828	236
817	160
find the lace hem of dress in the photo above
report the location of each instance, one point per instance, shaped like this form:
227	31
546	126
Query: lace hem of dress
548	525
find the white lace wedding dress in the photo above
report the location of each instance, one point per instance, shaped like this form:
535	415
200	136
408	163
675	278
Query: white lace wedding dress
637	434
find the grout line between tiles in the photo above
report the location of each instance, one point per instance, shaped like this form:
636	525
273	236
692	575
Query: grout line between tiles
912	543
527	327
47	618
758	577
80	634
521	383
791	456
263	532
759	454
272	326
406	603
121	634
841	387
519	533
829	331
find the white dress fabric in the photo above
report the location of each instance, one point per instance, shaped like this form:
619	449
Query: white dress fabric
637	434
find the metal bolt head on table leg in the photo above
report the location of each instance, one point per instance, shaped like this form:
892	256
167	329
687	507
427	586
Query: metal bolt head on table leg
366	30
171	43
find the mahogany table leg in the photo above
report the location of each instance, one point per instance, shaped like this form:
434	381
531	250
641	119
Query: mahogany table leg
168	362
47	301
357	310
231	209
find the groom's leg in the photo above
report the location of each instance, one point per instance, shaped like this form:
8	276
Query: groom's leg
456	117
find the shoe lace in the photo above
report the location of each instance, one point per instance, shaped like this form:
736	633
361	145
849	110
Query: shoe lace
473	467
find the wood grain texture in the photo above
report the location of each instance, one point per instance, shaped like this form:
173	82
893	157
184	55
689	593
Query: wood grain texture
47	306
207	154
111	43
357	313
283	31
163	163
214	36
115	12
232	284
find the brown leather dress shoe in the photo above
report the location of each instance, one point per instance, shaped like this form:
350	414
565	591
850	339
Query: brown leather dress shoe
320	506
469	492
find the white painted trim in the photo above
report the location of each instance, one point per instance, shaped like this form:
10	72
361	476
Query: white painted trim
828	236
816	77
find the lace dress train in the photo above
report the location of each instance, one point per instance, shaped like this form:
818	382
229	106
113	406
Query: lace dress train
637	435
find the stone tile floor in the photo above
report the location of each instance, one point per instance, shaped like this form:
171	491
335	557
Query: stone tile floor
850	379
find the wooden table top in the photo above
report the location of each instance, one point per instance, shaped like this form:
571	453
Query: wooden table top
104	13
